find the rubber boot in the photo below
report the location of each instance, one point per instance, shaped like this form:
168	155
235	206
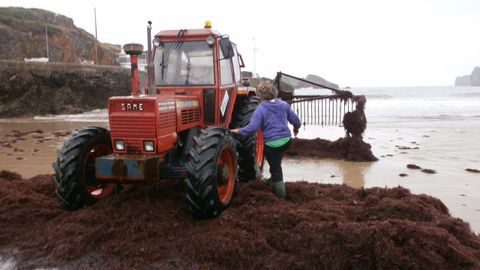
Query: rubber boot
267	181
279	189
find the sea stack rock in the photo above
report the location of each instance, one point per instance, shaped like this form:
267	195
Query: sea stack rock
462	80
475	77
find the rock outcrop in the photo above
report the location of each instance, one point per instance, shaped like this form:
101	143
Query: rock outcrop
473	79
462	80
23	35
28	89
321	81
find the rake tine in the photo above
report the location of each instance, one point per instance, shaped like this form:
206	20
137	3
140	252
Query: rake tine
333	111
327	113
339	111
309	112
312	122
339	108
330	107
321	112
340	118
336	111
304	113
312	114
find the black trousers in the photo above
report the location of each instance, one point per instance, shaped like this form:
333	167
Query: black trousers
274	156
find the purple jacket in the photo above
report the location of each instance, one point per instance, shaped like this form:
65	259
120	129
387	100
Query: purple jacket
271	117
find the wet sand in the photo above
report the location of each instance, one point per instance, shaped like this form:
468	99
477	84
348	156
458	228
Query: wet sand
449	148
430	145
35	152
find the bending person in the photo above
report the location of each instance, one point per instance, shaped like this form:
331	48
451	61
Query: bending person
272	117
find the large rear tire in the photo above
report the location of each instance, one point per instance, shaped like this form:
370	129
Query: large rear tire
74	179
212	172
249	148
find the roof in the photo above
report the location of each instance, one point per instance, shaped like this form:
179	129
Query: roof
202	32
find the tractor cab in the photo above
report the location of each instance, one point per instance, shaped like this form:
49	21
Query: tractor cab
200	63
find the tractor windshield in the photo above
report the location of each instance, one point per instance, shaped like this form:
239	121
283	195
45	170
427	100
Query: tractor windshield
184	63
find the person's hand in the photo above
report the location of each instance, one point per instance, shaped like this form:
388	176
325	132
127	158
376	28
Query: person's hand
295	131
235	130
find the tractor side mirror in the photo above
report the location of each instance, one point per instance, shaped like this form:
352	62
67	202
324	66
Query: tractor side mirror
226	47
245	82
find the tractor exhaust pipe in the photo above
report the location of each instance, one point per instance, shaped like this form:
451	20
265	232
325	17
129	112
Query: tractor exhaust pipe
150	71
134	50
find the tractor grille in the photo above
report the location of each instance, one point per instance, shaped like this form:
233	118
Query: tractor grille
133	130
167	119
190	116
133	145
132	127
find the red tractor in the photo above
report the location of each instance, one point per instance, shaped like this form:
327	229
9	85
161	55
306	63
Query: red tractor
177	128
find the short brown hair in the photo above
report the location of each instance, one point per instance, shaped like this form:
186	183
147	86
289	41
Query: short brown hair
267	91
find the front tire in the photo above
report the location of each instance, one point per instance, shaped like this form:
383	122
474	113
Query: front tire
74	179
212	172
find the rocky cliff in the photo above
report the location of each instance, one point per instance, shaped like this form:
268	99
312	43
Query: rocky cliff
22	35
472	79
28	89
321	81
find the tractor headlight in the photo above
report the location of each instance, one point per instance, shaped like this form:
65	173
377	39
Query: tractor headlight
148	146
210	40
120	145
156	42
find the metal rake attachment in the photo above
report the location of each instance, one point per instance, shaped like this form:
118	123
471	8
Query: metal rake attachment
318	103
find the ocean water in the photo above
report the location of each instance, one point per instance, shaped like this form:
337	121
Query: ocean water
442	103
393	104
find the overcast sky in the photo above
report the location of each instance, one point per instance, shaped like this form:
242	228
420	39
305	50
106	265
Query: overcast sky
349	42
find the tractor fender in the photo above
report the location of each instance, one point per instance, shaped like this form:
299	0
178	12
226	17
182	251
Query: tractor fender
188	143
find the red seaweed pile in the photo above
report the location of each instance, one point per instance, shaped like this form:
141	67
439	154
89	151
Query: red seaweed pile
318	227
347	148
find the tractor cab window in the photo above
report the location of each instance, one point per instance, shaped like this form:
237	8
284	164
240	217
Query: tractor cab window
184	63
225	70
236	66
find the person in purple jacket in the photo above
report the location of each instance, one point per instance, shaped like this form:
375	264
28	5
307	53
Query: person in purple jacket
272	117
